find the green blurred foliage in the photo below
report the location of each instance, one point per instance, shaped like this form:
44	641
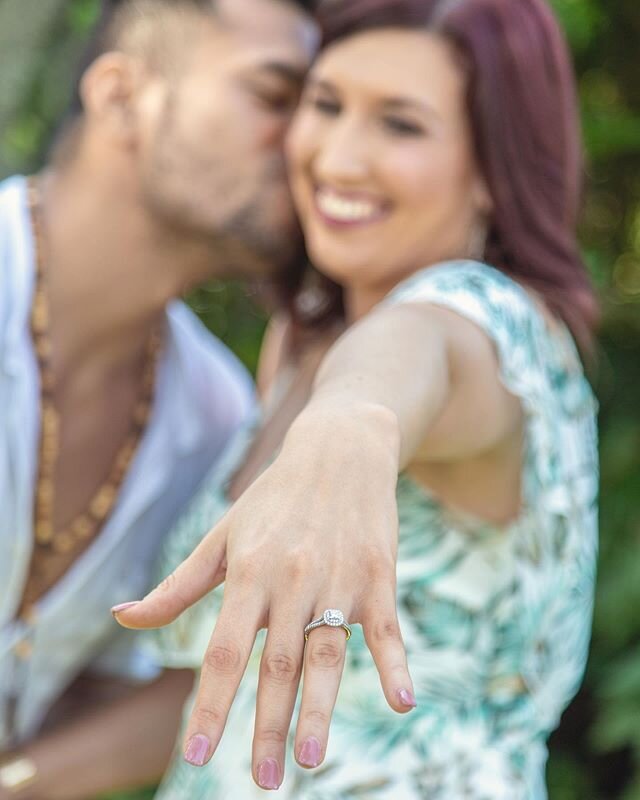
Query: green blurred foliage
595	755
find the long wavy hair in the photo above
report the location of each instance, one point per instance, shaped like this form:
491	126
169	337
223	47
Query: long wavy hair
521	103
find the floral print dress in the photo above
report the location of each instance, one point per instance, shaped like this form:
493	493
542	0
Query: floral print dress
496	620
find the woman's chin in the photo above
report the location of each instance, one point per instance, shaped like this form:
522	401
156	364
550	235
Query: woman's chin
342	264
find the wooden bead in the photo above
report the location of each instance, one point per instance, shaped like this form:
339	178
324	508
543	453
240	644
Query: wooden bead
44	532
43	348
103	501
63	543
40	315
45	491
50	421
83	527
49	564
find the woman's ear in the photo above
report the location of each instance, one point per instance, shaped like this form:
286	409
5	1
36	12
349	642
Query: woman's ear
482	198
109	90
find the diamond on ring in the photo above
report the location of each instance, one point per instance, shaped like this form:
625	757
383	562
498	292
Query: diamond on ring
332	617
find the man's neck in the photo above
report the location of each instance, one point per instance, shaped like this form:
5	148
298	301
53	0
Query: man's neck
110	273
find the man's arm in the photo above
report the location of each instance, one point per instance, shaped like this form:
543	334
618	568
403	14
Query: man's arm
124	745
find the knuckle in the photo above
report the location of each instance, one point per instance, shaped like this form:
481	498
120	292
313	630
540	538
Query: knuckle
298	565
169	591
317	717
223	658
380	565
207	718
325	655
271	735
385	629
167	584
280	668
245	571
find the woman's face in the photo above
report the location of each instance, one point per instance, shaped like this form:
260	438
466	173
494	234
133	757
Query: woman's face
381	160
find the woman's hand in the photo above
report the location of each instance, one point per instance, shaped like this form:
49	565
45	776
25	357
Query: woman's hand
317	530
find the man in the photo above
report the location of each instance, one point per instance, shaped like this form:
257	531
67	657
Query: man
171	174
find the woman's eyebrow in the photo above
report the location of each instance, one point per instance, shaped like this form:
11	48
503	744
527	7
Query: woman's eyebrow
392	103
409	104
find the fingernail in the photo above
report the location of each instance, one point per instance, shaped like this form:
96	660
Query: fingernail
407	698
117	609
197	750
310	752
269	774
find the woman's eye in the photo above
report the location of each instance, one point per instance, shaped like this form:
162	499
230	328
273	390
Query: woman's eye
403	127
325	106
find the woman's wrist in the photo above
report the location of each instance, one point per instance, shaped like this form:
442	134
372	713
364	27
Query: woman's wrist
370	431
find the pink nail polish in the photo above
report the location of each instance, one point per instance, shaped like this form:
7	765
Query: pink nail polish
197	750
123	606
310	752
407	698
269	774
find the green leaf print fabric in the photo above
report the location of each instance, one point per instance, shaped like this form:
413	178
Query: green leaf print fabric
496	620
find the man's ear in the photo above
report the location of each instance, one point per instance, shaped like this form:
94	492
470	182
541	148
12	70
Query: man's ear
110	90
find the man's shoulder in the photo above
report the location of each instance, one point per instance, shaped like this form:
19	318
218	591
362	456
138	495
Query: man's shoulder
12	193
14	249
14	184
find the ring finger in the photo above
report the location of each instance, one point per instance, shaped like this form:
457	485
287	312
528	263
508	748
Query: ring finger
323	666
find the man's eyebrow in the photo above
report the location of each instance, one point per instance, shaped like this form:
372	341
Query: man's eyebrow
285	70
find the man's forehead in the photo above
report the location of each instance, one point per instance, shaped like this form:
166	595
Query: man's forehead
276	24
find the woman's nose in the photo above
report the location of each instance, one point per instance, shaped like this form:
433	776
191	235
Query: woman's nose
343	155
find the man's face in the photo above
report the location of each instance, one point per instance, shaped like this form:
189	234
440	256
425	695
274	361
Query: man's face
211	148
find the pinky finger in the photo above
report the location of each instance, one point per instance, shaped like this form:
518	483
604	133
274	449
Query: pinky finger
384	639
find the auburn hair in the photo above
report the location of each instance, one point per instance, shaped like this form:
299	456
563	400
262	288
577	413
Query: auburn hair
521	102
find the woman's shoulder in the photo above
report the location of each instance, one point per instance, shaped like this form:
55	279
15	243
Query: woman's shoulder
539	360
501	305
469	283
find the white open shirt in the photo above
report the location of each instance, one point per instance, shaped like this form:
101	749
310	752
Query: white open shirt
203	395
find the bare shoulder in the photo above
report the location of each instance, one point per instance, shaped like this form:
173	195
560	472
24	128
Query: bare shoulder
480	413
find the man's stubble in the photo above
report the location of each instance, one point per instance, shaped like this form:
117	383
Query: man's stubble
218	197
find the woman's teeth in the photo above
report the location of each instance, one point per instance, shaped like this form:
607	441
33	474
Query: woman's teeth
345	210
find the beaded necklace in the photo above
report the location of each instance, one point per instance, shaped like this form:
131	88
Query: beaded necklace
56	549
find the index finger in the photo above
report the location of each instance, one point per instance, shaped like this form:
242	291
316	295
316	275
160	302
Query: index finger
197	575
223	667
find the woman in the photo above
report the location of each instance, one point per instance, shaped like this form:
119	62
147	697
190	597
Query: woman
434	163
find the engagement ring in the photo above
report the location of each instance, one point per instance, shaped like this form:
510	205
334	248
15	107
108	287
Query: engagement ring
332	617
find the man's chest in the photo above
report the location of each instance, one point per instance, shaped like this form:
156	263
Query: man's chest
79	474
95	435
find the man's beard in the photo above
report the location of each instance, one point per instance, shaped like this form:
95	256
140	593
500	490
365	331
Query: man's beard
244	243
223	206
273	251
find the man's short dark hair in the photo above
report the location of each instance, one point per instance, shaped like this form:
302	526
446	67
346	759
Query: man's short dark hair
116	15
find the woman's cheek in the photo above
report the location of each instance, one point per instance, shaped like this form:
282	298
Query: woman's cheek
302	139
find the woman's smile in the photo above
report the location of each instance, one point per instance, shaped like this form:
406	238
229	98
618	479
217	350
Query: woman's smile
340	208
381	160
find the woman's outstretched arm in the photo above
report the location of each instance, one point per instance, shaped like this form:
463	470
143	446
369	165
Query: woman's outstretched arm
318	529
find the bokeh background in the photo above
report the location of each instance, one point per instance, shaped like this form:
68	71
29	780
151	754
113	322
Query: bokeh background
595	755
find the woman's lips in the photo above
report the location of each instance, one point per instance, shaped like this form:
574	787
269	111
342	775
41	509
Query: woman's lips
348	209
